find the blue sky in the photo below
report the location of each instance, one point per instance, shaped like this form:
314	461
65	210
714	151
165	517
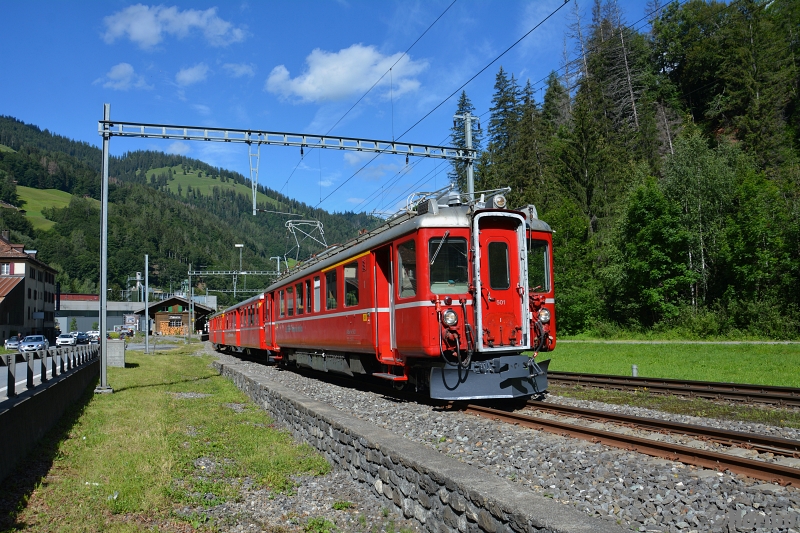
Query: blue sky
278	66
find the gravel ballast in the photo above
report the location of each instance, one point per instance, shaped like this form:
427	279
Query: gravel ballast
634	490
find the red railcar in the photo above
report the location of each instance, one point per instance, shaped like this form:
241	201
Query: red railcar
448	298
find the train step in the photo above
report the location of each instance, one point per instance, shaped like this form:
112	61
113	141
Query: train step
391	377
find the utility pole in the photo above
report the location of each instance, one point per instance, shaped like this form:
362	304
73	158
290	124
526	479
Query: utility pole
146	307
467	118
278	259
236	276
103	387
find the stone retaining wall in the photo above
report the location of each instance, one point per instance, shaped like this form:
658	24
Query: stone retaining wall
442	494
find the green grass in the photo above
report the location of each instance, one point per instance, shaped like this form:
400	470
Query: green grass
765	364
4	148
206	183
174	433
38	199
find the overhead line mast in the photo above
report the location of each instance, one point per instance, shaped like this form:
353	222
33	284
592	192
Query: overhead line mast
259	137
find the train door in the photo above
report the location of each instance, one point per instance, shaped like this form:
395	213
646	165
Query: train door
501	282
385	340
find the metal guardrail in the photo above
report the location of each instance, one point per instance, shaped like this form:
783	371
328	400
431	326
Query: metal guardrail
61	360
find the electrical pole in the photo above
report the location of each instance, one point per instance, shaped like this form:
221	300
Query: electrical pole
467	117
103	387
146	307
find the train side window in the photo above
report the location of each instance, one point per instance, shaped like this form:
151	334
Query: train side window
499	277
299	290
330	289
538	266
289	301
351	284
308	296
407	268
283	304
316	294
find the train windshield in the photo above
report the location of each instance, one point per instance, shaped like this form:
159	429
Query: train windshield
449	265
538	266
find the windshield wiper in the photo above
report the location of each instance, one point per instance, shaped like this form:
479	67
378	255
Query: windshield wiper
441	243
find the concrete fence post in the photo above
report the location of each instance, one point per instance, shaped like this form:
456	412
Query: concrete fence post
43	366
30	358
11	363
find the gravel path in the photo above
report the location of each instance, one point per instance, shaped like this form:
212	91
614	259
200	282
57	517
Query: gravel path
644	493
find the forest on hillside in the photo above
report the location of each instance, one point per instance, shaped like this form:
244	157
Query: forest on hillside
665	155
668	164
176	230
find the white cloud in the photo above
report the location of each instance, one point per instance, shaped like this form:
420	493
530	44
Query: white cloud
202	109
192	75
146	25
179	148
237	70
338	75
354	200
122	77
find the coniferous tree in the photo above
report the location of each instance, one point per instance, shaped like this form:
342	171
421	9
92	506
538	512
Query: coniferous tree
458	174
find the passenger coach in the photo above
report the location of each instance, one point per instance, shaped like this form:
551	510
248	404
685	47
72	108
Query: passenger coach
449	298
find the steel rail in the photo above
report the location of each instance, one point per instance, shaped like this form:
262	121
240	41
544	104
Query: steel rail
788	396
771	472
741	439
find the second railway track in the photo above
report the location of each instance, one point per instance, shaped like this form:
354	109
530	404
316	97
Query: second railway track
763	394
757	469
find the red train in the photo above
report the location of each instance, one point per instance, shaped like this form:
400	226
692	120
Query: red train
445	298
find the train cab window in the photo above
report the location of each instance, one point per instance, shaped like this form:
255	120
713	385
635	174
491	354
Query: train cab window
407	268
308	296
330	289
316	294
499	277
299	291
449	265
538	266
282	304
351	284
289	301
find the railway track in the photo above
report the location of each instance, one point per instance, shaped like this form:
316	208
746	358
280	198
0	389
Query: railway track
764	394
757	469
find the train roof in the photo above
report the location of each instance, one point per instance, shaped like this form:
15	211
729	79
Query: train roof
428	214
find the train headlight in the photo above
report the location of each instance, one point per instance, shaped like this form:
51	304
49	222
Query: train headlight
450	318
499	201
544	315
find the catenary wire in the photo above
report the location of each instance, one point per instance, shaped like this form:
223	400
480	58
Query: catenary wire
493	61
370	89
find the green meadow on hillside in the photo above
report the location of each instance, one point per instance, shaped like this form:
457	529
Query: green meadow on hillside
38	199
205	184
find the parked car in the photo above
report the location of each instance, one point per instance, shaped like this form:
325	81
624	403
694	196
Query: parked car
81	338
12	343
65	339
33	343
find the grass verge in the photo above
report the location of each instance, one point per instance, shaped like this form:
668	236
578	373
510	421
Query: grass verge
173	435
765	364
687	406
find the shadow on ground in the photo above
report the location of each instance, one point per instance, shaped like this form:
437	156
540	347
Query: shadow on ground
32	471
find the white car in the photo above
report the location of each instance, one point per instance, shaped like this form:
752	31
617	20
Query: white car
65	339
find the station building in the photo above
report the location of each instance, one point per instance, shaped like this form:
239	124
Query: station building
27	292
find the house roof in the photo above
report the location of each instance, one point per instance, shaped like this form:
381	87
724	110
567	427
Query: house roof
177	300
17	251
7	284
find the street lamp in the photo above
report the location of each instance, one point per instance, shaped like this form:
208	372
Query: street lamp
239	246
